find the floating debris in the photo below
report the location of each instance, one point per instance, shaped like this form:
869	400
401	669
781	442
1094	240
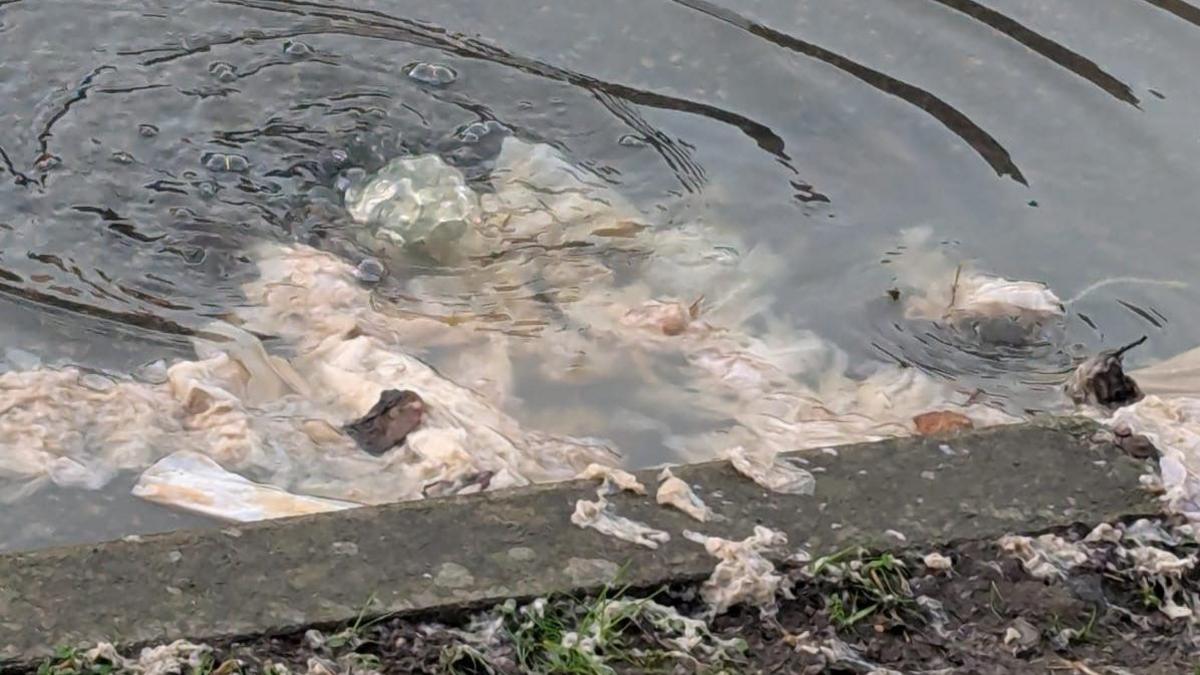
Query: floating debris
193	482
1101	380
388	422
669	318
939	290
743	575
771	472
674	492
419	203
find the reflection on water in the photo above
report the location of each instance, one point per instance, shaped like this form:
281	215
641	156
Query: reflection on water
147	150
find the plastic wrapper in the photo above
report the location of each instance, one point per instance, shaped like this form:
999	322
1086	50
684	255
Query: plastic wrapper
771	472
195	483
674	492
418	203
598	516
743	573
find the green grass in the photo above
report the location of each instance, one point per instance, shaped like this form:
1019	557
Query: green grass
862	586
599	635
70	661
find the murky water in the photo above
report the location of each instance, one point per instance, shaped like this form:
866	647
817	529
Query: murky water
148	146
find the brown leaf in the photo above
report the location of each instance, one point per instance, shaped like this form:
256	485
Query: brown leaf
942	422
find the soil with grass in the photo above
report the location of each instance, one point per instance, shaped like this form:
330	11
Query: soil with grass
853	612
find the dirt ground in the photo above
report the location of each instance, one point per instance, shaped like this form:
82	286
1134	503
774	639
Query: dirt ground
853	612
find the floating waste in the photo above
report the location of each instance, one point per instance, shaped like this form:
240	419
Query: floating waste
1101	380
388	422
353	413
420	203
194	482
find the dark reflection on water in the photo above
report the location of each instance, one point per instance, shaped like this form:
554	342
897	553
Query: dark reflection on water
148	146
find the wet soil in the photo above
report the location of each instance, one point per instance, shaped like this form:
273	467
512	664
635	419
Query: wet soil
987	614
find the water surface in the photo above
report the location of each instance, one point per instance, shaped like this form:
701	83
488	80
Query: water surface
1046	140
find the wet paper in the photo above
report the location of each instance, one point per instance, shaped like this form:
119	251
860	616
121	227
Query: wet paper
195	483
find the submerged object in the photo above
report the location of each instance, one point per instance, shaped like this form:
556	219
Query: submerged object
387	423
194	482
416	203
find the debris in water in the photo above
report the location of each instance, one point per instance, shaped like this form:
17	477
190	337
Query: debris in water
943	291
387	423
743	573
941	422
1101	380
671	318
768	470
193	482
418	203
598	516
675	492
610	475
467	484
977	296
1045	557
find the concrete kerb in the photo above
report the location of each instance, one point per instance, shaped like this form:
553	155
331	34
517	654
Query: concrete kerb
444	554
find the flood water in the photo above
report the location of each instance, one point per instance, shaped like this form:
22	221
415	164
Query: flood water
1053	141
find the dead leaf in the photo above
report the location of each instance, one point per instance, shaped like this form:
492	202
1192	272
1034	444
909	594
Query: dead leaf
942	422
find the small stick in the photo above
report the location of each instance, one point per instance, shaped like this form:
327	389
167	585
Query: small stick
1121	352
954	289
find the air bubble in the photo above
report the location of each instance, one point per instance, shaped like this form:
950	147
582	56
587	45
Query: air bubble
227	163
432	73
296	49
223	72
